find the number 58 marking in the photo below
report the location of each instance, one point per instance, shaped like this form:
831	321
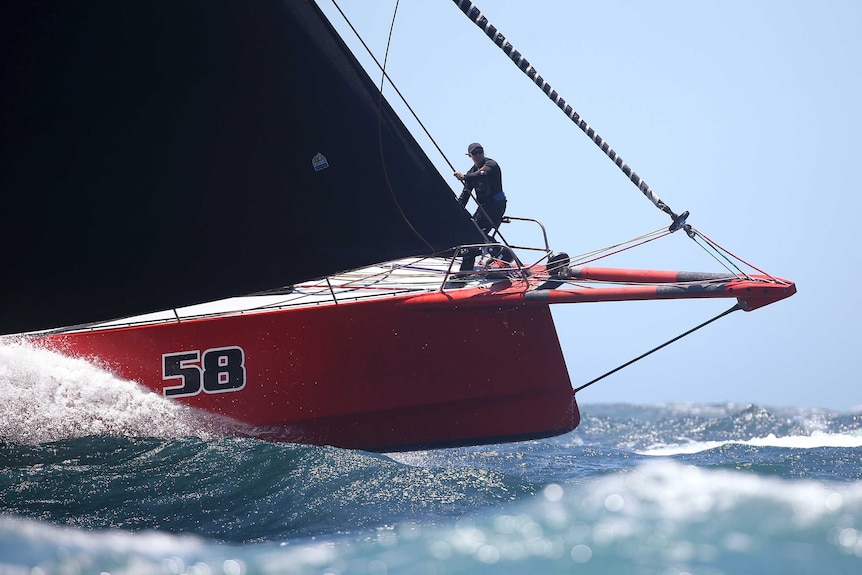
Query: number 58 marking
216	370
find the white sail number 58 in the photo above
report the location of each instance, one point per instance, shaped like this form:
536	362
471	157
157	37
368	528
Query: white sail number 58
216	370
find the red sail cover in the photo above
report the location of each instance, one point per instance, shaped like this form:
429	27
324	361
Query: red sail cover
158	154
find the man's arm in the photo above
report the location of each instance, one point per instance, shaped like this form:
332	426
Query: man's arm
464	197
472	177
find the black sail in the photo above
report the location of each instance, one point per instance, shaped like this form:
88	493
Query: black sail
159	154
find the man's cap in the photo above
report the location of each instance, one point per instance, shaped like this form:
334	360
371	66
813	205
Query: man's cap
475	147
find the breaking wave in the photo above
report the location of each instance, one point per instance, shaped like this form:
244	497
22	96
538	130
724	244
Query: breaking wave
816	440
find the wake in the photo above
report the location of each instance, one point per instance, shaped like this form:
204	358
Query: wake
49	397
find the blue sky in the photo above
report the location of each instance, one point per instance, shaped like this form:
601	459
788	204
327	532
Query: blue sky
744	113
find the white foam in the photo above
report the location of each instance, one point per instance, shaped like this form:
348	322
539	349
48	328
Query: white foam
668	490
49	397
815	440
149	542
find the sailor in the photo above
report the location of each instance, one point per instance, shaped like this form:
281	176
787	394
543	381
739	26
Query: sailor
485	177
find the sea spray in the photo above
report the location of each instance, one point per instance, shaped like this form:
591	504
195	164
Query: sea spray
47	396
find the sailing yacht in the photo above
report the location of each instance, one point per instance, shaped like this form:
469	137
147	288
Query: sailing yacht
207	212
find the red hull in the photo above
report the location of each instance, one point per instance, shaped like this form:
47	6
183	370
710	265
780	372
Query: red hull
375	375
390	372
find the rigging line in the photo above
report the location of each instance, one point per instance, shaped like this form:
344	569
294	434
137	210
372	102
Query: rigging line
661	232
655	349
394	87
716	253
609	254
728	252
473	13
380	130
382	69
380	139
599	253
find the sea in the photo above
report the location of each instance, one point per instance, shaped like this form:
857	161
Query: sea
99	476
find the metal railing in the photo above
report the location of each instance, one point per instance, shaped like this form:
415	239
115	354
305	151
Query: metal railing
485	250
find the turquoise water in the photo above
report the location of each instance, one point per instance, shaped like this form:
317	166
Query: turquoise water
98	476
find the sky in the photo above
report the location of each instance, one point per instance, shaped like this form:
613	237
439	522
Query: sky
744	113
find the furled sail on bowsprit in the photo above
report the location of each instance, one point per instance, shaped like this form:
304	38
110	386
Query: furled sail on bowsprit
161	154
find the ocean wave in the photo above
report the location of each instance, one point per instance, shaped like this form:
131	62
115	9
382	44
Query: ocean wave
813	441
685	428
663	516
236	490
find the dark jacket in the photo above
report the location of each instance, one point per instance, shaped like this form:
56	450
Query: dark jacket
487	180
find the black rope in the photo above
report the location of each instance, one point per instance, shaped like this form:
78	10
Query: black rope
655	349
473	13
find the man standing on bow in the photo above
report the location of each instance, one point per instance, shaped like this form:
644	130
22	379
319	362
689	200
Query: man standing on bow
486	178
